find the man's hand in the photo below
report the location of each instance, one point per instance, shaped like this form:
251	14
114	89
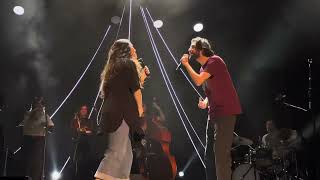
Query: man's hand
185	59
203	104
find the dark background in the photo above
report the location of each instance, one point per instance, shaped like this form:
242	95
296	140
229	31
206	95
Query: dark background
266	45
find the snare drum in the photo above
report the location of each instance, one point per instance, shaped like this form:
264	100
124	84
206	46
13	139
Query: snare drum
245	172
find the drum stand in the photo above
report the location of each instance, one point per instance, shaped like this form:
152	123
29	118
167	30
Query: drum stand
296	176
252	165
254	171
75	156
297	171
287	175
309	95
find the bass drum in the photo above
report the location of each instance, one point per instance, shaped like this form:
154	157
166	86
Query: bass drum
243	172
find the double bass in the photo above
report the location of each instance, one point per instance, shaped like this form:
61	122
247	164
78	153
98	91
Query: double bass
161	163
152	157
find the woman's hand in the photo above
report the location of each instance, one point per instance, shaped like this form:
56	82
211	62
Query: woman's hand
140	110
145	72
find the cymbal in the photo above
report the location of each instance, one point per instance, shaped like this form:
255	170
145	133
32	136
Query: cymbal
287	134
282	137
238	140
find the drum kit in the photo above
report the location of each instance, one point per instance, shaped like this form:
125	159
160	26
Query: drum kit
275	160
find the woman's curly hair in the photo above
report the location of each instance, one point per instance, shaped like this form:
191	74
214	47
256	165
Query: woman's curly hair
118	54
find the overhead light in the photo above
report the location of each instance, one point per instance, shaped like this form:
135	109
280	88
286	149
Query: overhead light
115	19
198	27
18	10
158	24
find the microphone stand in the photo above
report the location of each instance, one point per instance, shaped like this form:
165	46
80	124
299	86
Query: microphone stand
293	106
45	143
7	150
4	173
309	104
310	96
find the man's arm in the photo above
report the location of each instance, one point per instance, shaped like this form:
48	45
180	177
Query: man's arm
198	79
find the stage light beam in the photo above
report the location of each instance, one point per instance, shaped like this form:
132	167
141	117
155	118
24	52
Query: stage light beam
18	10
158	24
198	27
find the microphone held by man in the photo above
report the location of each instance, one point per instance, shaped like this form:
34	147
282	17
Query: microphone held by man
179	65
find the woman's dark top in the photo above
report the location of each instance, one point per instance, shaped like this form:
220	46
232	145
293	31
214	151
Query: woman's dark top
119	100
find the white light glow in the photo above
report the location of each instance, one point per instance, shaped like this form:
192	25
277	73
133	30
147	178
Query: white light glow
115	19
18	10
158	24
198	27
55	175
181	174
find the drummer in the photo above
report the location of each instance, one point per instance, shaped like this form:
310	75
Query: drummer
279	140
271	129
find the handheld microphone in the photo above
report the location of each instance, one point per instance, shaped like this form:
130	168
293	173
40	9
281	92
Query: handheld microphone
143	65
140	60
280	97
179	65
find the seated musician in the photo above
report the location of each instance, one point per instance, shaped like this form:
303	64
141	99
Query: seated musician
279	139
82	129
36	124
156	126
159	139
81	125
270	128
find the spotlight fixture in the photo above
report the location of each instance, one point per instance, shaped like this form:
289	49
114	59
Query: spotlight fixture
198	27
18	10
181	174
115	19
55	175
158	24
